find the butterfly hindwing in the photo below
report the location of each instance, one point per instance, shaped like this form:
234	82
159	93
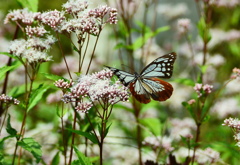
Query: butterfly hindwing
154	88
162	67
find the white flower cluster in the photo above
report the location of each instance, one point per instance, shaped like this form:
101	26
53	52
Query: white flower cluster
235	125
8	99
96	88
33	50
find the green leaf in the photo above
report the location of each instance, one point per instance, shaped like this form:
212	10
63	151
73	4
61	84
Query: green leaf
61	112
203	30
36	95
3	139
190	109
106	131
9	128
139	42
185	81
53	77
203	68
32	5
76	162
228	151
82	159
56	159
9	55
153	124
89	136
5	69
29	144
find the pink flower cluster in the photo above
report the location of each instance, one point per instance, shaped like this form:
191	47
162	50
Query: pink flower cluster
63	84
96	88
87	20
202	89
236	72
52	18
235	125
232	123
183	25
22	16
35	31
8	100
75	6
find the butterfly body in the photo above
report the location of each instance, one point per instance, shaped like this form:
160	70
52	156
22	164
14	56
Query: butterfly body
147	84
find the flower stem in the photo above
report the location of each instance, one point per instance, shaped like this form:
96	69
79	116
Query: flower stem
73	137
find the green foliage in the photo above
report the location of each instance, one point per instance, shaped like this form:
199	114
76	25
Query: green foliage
228	151
53	77
29	144
203	30
36	95
90	136
9	128
140	41
5	69
56	159
82	159
32	5
61	112
153	125
185	81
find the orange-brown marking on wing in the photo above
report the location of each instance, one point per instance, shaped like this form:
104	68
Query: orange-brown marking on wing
144	98
164	94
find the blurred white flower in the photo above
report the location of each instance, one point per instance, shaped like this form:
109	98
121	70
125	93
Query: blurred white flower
207	156
151	50
159	142
172	11
225	3
183	25
182	127
225	107
219	36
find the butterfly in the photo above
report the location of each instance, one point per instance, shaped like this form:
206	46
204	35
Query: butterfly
147	84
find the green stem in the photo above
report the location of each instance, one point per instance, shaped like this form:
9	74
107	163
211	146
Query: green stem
73	137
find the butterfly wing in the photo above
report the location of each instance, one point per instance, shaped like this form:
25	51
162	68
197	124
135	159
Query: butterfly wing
162	67
123	76
154	88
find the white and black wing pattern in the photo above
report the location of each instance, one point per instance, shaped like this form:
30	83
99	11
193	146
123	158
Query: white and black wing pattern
123	76
162	67
155	88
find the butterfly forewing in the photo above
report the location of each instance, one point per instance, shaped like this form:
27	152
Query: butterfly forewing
123	76
162	67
